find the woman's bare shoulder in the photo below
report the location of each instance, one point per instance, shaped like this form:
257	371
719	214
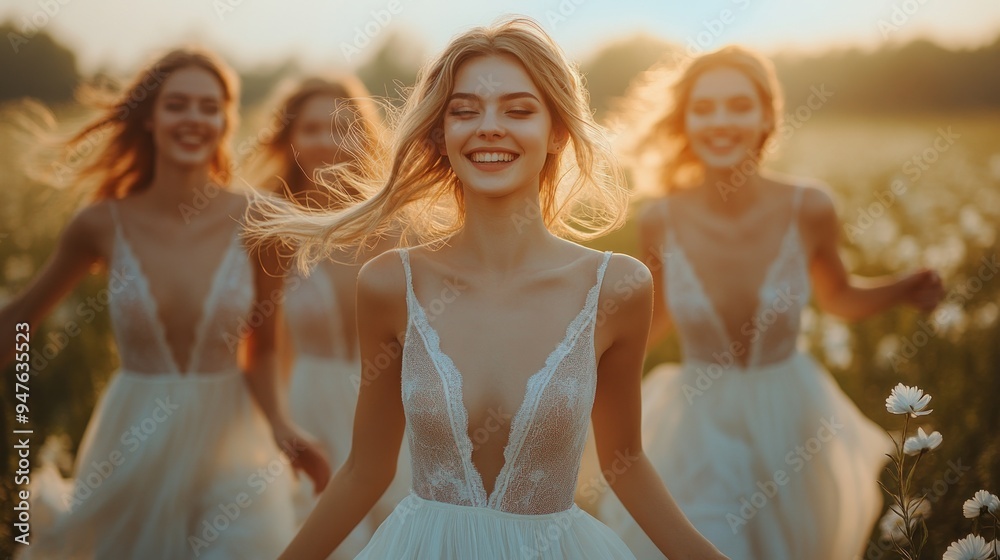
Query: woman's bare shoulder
382	278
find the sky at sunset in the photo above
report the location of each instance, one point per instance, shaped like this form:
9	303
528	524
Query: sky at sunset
342	34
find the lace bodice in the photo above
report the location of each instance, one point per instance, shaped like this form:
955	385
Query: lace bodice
547	433
139	332
313	315
774	328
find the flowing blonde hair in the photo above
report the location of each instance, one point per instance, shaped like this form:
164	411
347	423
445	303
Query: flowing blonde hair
581	187
115	151
650	118
273	163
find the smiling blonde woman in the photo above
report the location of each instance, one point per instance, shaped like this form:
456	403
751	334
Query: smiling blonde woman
488	352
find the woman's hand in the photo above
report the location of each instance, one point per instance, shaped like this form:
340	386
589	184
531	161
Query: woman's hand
304	453
923	290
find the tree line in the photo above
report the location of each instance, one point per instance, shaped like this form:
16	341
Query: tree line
919	76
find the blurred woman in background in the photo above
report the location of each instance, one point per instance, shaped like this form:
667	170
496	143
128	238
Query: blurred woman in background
177	460
764	453
321	123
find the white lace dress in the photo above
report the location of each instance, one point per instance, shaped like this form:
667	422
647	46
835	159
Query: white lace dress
175	463
323	395
771	461
530	513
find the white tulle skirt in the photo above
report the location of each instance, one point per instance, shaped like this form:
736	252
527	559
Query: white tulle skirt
772	463
420	529
323	396
170	467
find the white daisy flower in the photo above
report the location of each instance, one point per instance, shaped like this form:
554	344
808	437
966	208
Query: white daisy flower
920	443
907	400
972	547
974	507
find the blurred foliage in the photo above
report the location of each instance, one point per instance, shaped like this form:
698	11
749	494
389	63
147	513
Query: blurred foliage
35	66
948	219
914	77
256	84
393	67
609	72
919	76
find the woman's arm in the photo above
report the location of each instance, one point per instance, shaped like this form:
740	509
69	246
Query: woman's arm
855	298
79	247
379	421
262	363
652	243
286	347
617	416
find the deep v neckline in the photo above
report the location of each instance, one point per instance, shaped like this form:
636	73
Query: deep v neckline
153	307
790	234
533	387
324	285
716	317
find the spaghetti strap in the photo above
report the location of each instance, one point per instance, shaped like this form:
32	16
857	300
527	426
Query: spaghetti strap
797	199
602	269
411	297
666	212
793	223
668	226
113	207
594	294
404	256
